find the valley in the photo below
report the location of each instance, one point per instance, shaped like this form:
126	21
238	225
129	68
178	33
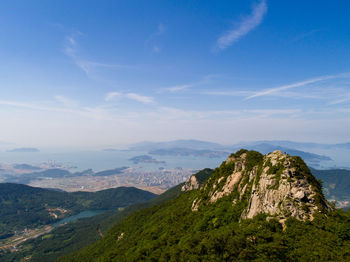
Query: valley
84	231
252	207
13	242
174	131
24	208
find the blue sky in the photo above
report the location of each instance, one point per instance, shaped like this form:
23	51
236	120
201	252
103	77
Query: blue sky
104	73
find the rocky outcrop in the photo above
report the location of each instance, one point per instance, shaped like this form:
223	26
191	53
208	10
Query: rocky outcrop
276	184
190	184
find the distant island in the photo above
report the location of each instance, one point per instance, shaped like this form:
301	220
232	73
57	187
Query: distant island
26	167
24	150
110	150
145	159
189	152
110	172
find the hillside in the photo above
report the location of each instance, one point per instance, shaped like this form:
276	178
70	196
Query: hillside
336	184
76	235
23	206
253	207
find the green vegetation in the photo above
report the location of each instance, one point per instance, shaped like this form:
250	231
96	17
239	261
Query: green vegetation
253	159
166	229
275	170
223	171
239	153
78	234
336	183
23	206
203	175
302	170
172	232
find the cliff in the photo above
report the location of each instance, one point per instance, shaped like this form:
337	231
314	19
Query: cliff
276	184
251	208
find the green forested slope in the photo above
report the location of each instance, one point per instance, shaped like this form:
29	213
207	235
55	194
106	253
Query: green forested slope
336	183
83	232
171	231
24	206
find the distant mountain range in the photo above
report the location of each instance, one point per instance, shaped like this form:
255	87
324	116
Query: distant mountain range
26	167
198	144
192	144
179	151
54	173
209	149
24	150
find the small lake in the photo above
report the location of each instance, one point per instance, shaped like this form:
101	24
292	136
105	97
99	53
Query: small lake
84	214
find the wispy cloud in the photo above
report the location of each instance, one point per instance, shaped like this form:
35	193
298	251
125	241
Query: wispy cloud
140	98
89	66
67	102
226	93
178	88
132	96
247	24
71	49
304	35
151	40
89	112
273	91
71	45
182	87
345	98
111	96
176	113
116	124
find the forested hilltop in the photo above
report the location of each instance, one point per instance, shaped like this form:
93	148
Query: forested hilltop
253	207
78	234
23	206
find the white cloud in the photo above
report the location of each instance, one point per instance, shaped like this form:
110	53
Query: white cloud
132	96
89	66
71	50
245	26
140	98
152	39
60	126
178	87
159	31
67	102
272	91
70	108
345	98
112	95
226	93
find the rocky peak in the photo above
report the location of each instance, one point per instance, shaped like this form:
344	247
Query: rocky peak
195	181
276	184
190	184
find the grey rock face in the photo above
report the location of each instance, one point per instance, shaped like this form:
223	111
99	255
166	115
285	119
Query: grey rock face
279	185
190	184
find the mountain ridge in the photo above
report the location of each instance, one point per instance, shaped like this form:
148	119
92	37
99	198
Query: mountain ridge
276	183
217	231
